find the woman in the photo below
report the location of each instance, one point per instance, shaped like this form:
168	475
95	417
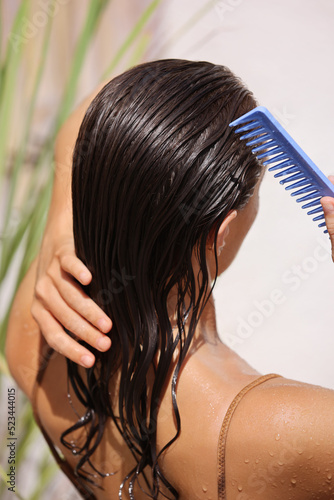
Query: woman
163	196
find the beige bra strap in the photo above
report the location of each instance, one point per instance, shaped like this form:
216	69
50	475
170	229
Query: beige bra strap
224	430
62	462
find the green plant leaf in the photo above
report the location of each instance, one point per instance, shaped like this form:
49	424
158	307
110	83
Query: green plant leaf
3	366
9	76
93	16
19	158
47	470
136	31
186	27
140	49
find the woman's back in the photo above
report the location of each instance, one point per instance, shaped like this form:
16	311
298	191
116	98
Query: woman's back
202	408
277	445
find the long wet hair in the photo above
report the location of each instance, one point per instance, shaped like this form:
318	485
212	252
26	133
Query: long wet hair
156	169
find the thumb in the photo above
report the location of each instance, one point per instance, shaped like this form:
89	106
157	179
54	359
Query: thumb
328	207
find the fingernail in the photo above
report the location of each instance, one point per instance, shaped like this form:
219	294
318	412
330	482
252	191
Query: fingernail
83	277
103	325
87	361
103	343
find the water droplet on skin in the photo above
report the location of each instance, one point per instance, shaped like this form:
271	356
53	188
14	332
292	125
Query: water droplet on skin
257	461
293	481
271	454
239	487
277	437
329	476
205	489
300	452
309	458
280	463
246	460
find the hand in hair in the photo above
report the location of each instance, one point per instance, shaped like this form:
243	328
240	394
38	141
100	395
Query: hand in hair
59	302
328	205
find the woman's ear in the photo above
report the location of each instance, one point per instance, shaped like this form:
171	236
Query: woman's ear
223	232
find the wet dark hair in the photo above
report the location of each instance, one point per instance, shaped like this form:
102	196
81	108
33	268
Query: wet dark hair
156	169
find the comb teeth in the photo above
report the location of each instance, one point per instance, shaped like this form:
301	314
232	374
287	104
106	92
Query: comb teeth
256	140
313	204
311	196
294	177
296	171
253	133
245	128
265	155
304	190
290	170
319	217
283	164
304	182
279	156
266	145
314	211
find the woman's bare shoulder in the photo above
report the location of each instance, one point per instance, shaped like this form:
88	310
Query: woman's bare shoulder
281	443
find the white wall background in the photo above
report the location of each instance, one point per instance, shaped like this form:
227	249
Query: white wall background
283	50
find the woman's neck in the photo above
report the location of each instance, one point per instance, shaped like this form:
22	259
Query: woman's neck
206	329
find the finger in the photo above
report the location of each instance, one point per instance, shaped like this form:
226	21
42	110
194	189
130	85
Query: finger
331	178
59	340
328	206
69	318
76	298
74	266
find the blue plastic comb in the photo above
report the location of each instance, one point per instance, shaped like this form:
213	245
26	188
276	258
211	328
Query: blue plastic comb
269	140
